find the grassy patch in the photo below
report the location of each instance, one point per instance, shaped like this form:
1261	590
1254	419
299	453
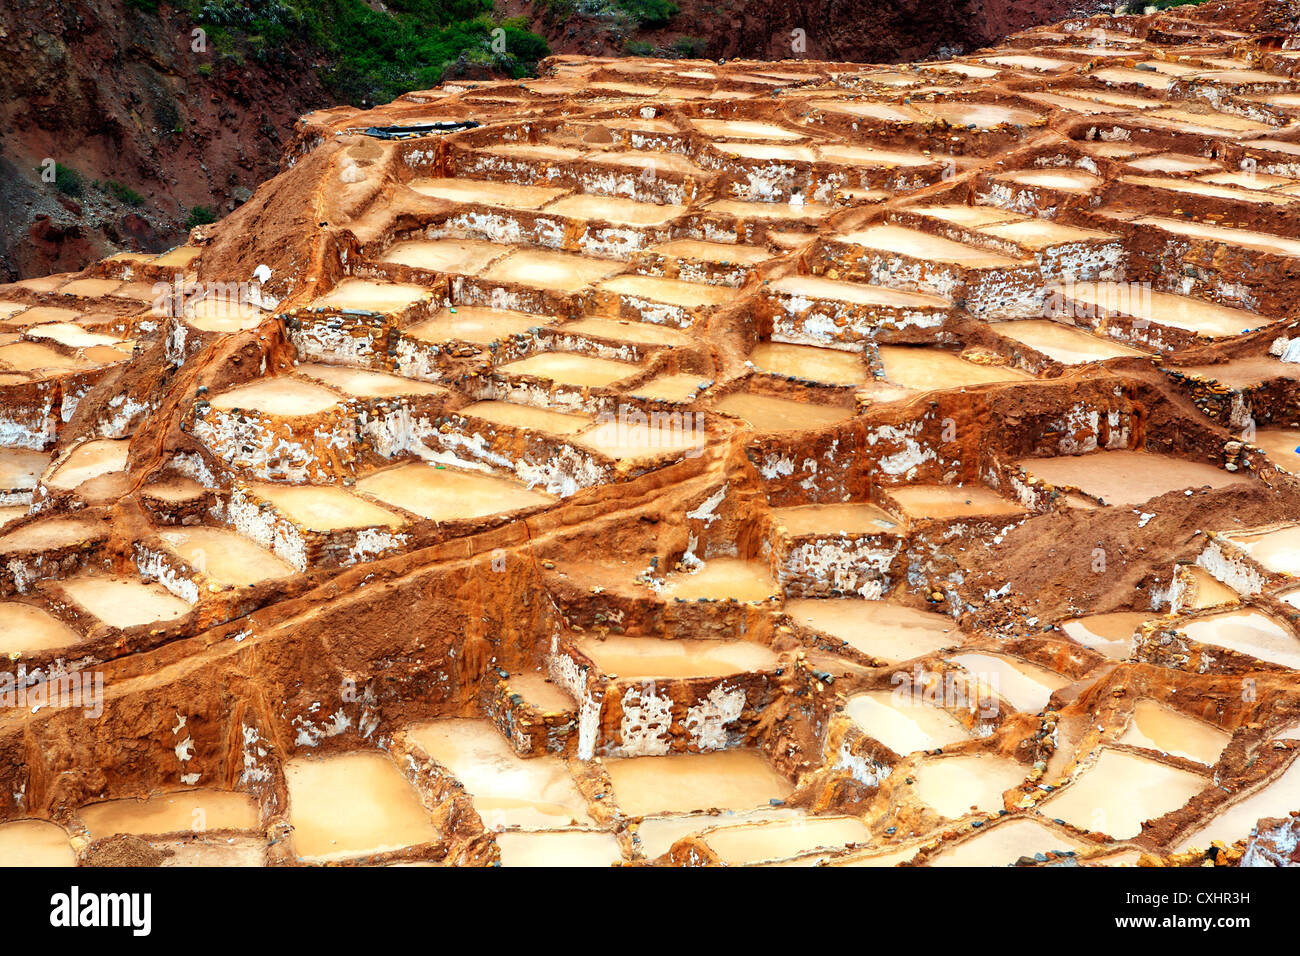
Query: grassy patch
123	193
649	13
200	216
68	181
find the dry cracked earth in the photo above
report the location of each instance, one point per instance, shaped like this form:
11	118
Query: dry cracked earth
798	464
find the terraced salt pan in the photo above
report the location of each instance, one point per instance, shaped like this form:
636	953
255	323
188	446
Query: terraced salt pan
888	632
738	779
721	579
51	533
1277	550
744	129
445	494
571	368
865	109
281	395
952	501
1281	446
1125	477
1210	592
1120	791
696	250
460	256
954	786
1039	234
124	602
1212	120
507	790
225	557
25	629
626	212
902	724
766	413
35	843
362	383
1172	163
528	416
1062	180
1157	727
1025	686
1005	843
73	336
1039	64
1199	188
658	834
642	333
849	517
1247	179
1276	798
972	217
324	507
487	192
744	210
193	810
671	387
90	460
633	439
224	316
1243	238
769	152
560	271
475	324
856	293
831	366
925	368
541	693
981	115
1064	344
353	804
899	240
32	357
568	848
371	296
1163	308
1108	634
1247	632
646	657
1148	79
751	843
687	295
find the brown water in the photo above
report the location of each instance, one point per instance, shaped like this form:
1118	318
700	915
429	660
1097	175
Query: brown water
280	395
631	440
90	460
923	245
1064	344
225	557
461	256
540	692
766	413
445	494
743	129
856	293
688	783
638	657
1120	791
1172	163
831	366
1210	592
627	212
722	578
952	501
571	368
903	725
889	632
1247	632
1128	477
527	416
324	507
124	602
750	843
925	368
187	810
352	804
1157	727
972	217
73	336
672	387
1039	234
475	324
363	383
1063	180
1108	634
643	333
1025	686
1005	843
569	848
1277	798
20	467
35	843
507	790
954	786
560	271
487	193
25	629
1277	550
686	295
849	517
697	250
371	295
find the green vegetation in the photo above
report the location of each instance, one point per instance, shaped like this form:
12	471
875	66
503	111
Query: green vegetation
372	56
1138	7
638	48
649	13
690	48
200	216
123	193
68	181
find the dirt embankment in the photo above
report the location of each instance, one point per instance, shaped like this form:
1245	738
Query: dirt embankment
111	92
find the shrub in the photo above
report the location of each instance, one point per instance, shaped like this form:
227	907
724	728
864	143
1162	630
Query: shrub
650	13
200	216
123	193
68	181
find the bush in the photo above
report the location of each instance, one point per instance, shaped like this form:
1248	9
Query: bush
690	48
650	13
68	181
637	48
123	193
200	216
